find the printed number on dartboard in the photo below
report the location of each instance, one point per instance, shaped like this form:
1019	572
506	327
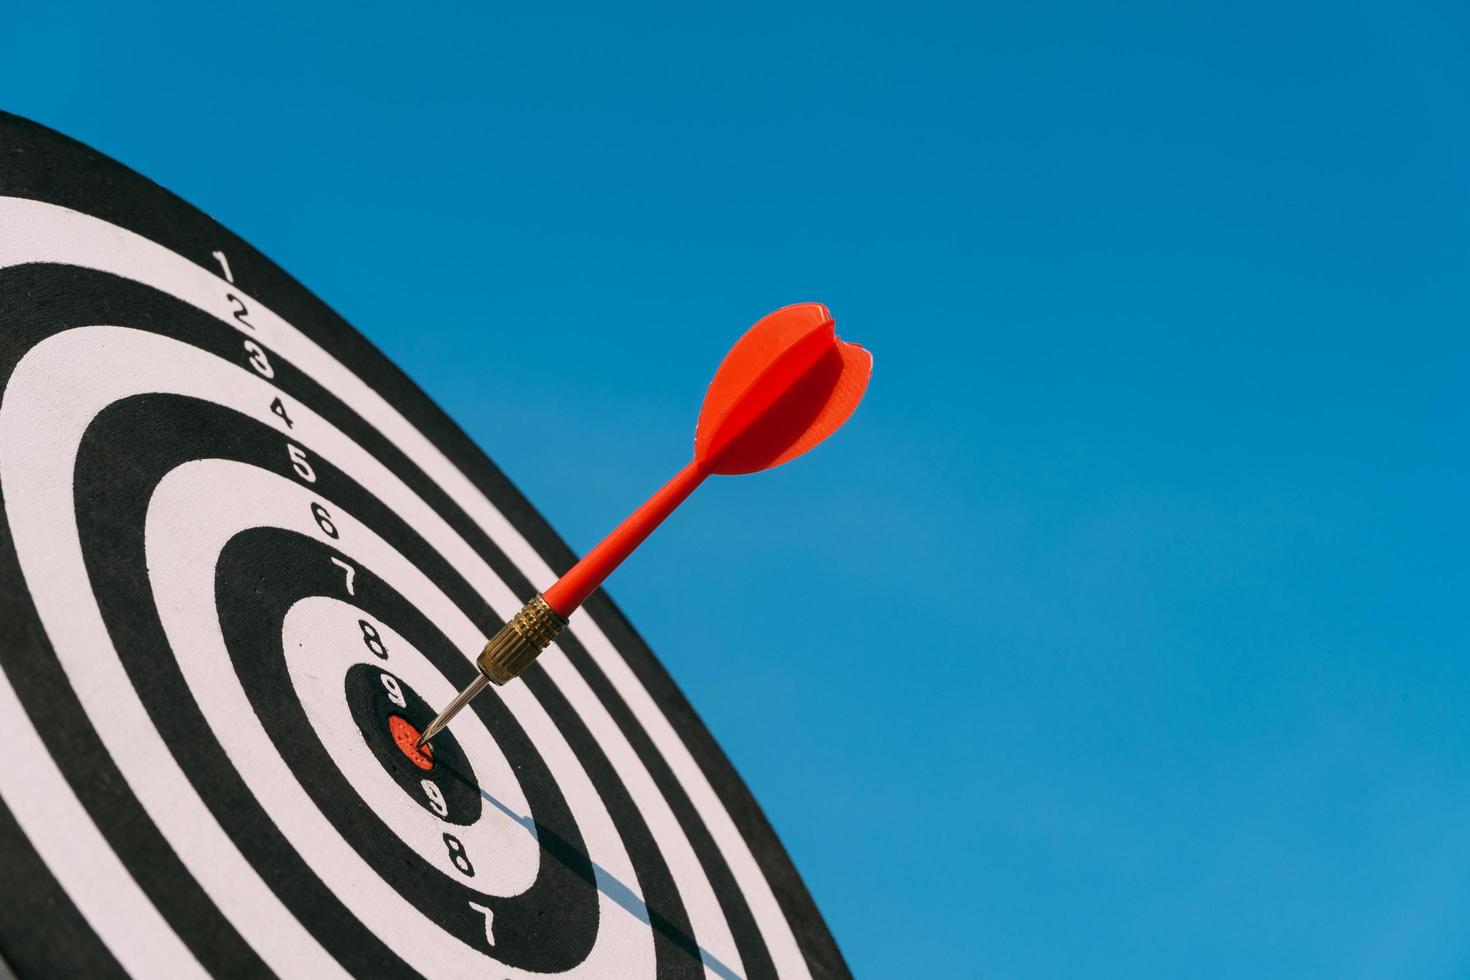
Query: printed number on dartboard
238	309
373	640
256	355
436	797
324	520
458	856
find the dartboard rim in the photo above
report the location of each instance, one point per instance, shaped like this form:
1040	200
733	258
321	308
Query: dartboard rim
40	164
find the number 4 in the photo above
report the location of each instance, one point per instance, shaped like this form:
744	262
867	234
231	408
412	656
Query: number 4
279	408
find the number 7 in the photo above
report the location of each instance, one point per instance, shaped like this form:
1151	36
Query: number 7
351	573
489	922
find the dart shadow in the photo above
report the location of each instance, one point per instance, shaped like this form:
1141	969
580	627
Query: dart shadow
571	857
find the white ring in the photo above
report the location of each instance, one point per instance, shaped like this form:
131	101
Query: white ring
57	389
321	641
195	511
55	234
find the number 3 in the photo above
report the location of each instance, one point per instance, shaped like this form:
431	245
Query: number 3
258	360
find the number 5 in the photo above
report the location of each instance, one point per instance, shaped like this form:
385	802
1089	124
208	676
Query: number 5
298	460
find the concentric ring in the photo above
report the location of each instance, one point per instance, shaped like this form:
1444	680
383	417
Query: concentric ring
187	479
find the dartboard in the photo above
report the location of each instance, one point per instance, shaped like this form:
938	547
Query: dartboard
242	556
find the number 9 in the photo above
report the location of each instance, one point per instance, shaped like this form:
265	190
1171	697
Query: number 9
436	797
395	693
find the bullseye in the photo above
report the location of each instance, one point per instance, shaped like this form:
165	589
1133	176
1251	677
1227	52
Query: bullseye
405	735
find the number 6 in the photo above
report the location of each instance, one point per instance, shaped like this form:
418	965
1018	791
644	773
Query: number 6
324	521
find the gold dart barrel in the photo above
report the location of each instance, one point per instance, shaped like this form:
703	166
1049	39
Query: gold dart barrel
520	641
509	652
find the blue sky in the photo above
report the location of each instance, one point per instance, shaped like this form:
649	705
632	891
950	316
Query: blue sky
1123	632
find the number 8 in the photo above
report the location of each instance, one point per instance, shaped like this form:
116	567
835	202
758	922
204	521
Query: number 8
373	639
458	856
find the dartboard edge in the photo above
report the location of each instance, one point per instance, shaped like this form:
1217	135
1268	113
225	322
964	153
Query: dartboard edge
242	554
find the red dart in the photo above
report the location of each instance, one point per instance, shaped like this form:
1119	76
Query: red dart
785	386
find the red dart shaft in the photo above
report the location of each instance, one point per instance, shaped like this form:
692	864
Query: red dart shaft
783	388
513	648
573	588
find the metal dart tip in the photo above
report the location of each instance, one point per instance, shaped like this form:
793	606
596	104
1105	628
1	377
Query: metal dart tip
510	651
453	708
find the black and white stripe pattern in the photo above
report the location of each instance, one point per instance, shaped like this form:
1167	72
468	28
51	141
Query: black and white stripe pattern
215	495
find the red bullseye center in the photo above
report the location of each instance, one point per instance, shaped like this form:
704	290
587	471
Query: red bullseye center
404	736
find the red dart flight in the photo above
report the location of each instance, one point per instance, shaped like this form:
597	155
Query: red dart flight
785	386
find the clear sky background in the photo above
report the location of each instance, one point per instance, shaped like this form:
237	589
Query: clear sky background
1124	631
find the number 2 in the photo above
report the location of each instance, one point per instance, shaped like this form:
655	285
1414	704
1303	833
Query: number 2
240	310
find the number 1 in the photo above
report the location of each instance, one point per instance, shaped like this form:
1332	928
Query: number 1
224	264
